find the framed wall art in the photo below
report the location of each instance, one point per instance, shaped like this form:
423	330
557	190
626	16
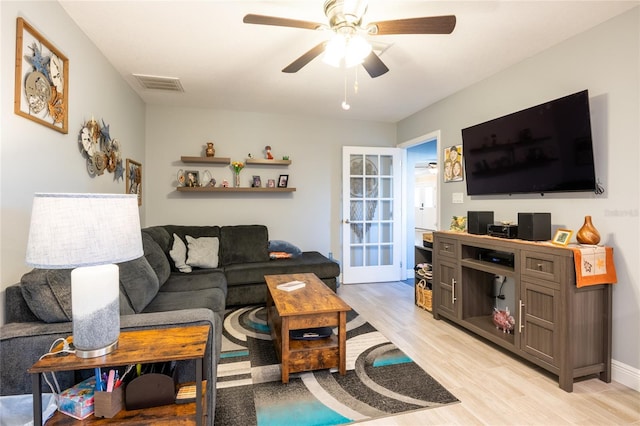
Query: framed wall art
133	181
42	79
453	164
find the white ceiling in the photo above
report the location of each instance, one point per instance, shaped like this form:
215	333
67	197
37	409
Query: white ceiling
226	64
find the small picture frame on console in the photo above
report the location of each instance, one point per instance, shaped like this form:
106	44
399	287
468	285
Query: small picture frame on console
562	237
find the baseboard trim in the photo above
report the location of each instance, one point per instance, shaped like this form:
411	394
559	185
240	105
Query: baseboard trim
625	374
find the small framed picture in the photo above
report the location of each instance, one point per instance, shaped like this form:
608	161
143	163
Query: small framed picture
257	183
283	180
271	183
562	237
191	178
133	181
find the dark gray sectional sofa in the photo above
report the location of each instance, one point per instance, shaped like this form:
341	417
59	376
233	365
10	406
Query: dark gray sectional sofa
154	292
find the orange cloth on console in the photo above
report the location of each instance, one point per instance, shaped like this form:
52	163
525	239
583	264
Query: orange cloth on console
594	265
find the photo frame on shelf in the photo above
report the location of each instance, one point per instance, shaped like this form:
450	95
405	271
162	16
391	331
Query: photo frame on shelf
191	178
257	183
283	181
133	181
562	237
41	79
271	183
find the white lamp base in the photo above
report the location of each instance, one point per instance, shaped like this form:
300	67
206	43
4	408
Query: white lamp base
95	306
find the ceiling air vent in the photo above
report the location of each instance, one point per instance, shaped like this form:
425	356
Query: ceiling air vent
154	82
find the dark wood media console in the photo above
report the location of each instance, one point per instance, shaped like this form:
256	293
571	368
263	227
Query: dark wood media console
558	326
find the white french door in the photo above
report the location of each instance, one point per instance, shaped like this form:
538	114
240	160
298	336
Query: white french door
371	214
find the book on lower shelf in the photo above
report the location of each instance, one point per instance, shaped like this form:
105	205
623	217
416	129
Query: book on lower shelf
291	285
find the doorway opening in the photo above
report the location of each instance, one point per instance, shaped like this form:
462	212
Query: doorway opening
421	196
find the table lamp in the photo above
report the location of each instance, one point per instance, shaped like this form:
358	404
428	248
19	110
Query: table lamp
90	233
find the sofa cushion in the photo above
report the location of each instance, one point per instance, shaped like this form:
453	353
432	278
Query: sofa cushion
244	244
179	254
199	279
156	258
161	236
47	293
309	261
202	252
139	281
211	298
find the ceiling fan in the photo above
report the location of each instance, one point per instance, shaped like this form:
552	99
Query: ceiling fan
345	21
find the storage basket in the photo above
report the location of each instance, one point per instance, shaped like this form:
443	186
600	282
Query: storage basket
424	294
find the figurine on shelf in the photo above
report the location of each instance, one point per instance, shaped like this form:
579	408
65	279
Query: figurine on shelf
225	183
249	156
210	151
268	149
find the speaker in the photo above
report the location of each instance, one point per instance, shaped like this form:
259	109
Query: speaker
534	226
477	222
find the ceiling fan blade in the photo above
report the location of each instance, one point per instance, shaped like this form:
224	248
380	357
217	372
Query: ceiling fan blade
303	60
427	25
374	65
280	22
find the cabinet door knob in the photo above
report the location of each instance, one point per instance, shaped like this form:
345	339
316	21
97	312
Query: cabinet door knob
539	266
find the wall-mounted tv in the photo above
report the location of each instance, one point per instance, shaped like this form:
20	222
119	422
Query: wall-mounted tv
545	148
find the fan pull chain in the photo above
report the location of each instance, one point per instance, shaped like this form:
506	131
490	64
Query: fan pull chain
345	105
355	83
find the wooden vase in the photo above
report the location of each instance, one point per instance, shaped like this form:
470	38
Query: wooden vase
588	234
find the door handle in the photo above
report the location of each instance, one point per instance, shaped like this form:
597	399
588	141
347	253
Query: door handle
453	291
346	221
520	326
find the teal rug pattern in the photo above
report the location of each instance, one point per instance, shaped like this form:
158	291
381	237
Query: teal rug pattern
380	381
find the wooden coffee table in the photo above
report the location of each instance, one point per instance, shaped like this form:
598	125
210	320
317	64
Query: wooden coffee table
314	305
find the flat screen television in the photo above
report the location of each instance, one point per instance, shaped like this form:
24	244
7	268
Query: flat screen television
545	148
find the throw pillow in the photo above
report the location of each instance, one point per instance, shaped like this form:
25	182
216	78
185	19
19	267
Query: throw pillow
203	251
179	254
284	246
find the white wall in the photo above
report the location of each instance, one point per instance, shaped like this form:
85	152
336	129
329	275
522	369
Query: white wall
606	61
34	158
309	217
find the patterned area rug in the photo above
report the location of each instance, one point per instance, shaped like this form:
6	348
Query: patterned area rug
380	381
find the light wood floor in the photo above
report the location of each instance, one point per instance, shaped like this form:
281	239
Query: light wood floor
494	387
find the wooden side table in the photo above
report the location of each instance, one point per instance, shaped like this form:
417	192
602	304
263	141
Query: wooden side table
134	347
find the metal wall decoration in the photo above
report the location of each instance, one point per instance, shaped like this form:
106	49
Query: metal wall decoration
42	79
102	152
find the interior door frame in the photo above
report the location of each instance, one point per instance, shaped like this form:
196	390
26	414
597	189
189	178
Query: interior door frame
406	196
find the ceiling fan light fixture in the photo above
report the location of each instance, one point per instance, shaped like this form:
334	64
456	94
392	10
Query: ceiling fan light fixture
357	49
350	48
335	50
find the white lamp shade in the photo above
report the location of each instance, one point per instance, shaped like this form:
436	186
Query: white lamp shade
71	230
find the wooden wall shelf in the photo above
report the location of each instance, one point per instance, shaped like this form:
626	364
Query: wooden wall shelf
209	160
232	189
265	162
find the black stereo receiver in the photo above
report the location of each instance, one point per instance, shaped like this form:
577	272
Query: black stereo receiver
497	257
503	231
